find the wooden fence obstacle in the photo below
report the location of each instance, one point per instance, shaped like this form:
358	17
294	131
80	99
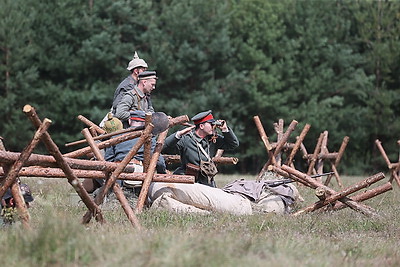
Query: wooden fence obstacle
328	196
394	168
321	154
28	164
274	150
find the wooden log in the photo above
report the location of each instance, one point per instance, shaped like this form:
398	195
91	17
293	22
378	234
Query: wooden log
261	131
341	150
319	166
105	136
340	195
7	157
331	155
151	171
348	201
281	142
283	173
389	164
18	198
116	188
121	166
285	137
366	195
314	157
286	146
91	124
279	133
111	142
299	141
169	159
178	120
55	152
126	207
321	193
90	174
147	145
383	153
12	174
337	161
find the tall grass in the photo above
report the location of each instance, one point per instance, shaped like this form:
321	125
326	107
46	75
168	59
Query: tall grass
343	237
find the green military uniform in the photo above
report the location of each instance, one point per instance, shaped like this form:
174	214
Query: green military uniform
190	152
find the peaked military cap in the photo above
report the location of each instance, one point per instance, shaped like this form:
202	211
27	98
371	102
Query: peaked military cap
202	117
147	75
136	62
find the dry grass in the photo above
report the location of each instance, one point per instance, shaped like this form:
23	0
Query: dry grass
318	239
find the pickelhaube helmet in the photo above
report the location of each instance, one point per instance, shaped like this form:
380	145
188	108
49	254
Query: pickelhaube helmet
136	62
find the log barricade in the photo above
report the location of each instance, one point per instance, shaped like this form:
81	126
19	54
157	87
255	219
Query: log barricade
71	177
27	164
299	176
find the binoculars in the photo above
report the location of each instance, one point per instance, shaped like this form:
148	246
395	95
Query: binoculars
219	123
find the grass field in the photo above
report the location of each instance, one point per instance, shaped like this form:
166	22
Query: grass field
344	237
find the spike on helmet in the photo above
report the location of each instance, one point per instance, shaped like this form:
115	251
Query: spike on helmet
136	62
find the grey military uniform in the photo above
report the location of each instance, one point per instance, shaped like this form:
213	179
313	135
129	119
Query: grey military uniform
132	100
190	153
125	86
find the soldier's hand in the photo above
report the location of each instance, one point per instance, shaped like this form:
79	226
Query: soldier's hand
222	125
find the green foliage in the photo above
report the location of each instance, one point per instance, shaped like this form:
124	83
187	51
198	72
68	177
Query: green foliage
332	64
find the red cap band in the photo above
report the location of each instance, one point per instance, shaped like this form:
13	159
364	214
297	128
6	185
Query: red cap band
206	118
137	119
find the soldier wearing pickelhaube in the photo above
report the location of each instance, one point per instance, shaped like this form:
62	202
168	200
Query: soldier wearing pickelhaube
135	66
197	145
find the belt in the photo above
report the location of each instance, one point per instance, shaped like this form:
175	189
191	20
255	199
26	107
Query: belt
137	162
134	161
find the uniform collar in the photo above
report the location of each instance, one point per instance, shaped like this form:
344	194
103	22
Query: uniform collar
138	91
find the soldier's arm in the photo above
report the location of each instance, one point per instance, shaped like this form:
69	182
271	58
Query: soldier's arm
127	103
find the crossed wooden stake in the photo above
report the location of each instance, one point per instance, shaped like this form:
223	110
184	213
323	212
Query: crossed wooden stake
394	168
12	165
327	196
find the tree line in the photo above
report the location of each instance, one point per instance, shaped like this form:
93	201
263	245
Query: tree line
332	64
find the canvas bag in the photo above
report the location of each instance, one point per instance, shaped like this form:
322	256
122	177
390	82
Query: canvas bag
207	167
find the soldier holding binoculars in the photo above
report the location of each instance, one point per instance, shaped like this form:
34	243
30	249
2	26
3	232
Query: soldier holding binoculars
198	144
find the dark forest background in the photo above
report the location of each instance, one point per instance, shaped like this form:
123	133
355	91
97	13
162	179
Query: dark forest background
332	64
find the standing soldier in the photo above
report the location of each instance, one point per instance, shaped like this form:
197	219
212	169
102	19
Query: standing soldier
138	98
135	66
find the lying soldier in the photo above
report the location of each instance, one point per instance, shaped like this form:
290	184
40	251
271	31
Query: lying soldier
241	197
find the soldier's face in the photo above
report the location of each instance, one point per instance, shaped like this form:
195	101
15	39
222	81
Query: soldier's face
149	86
207	128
